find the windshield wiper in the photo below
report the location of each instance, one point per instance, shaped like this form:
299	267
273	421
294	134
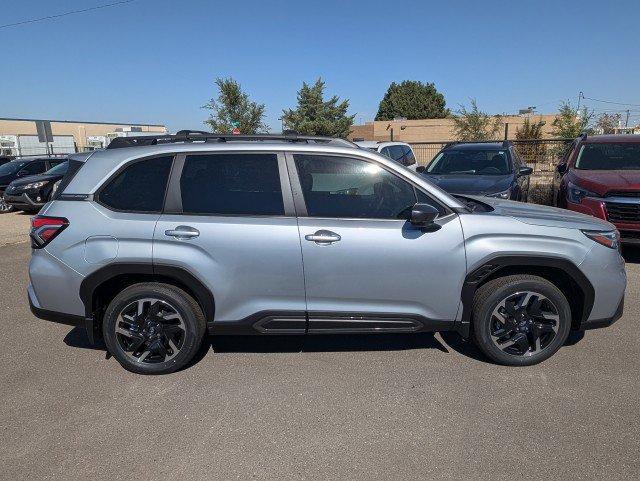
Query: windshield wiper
462	172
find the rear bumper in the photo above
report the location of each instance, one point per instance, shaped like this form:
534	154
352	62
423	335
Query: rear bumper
599	323
59	317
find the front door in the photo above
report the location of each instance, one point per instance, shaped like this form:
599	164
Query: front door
232	225
366	267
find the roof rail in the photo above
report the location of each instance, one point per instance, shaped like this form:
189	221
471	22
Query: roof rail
201	136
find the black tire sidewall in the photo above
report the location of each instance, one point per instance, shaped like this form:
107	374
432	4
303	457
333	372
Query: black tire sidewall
481	323
176	298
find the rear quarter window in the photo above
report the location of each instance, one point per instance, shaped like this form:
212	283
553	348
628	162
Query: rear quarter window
139	187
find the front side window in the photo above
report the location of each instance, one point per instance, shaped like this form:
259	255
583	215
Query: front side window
343	187
231	184
140	187
470	162
609	156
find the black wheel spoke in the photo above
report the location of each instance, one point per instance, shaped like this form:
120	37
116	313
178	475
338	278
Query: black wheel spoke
150	331
524	323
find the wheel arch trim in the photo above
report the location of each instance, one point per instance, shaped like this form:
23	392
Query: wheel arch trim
494	264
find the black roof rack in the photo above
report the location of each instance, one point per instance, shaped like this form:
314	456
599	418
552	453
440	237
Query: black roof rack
201	136
505	143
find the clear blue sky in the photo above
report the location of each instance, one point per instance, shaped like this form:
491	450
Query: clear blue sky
155	60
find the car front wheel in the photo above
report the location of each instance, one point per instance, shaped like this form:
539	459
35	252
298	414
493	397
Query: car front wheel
520	320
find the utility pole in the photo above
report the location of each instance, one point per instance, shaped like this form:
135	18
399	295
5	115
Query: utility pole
580	96
626	122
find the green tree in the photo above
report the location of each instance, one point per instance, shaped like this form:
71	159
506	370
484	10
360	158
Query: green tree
531	152
412	99
569	123
473	124
315	116
233	109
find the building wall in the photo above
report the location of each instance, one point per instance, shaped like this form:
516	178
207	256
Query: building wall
434	130
79	130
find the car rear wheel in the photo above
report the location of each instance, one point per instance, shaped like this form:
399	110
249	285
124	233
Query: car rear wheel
153	328
520	320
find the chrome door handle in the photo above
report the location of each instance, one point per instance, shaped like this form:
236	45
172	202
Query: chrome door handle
323	237
182	232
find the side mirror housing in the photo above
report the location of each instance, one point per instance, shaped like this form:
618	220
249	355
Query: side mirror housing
525	171
561	168
421	169
423	215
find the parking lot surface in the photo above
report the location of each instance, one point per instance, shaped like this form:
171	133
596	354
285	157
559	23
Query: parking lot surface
14	228
357	407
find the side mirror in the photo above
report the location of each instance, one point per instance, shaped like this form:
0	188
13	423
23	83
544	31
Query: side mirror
421	169
423	215
561	168
525	171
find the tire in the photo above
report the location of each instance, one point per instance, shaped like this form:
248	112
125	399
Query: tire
508	308
162	320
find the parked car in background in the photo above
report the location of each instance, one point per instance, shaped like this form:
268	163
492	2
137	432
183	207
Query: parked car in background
399	151
23	167
600	176
32	192
5	158
492	169
152	246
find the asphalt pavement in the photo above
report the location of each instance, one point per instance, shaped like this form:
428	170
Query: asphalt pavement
339	407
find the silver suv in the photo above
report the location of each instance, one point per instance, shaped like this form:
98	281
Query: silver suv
155	242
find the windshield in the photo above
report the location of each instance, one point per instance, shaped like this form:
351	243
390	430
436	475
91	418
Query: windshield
610	156
59	169
471	162
11	167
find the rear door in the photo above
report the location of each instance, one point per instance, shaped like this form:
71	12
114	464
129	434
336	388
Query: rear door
366	268
229	220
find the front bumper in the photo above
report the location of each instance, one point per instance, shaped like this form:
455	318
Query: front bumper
22	201
599	323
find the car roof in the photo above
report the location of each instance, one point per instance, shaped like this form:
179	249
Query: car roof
476	146
622	138
374	144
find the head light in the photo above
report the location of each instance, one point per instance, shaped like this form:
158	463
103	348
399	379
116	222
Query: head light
36	185
505	194
609	239
575	194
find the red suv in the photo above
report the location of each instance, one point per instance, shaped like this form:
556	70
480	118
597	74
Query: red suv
600	176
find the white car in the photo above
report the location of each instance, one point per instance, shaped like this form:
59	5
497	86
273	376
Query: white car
401	152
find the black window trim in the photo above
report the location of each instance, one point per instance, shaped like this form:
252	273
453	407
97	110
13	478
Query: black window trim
173	198
96	196
298	195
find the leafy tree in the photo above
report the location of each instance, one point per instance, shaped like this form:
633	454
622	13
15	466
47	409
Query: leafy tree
531	152
234	109
315	116
474	124
606	123
569	123
412	99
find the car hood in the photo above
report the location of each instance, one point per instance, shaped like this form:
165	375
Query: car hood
471	184
22	181
602	181
543	215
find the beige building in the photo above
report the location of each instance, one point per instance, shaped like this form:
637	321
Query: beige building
437	130
20	136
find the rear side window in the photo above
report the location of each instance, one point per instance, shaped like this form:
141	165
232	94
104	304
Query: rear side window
231	184
36	167
140	187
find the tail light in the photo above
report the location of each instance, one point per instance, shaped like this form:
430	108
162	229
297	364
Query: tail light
44	229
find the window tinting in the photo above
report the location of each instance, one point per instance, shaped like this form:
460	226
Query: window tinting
36	167
342	187
410	159
609	156
471	162
232	184
140	187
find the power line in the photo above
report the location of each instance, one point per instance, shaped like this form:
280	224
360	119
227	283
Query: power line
73	12
610	102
